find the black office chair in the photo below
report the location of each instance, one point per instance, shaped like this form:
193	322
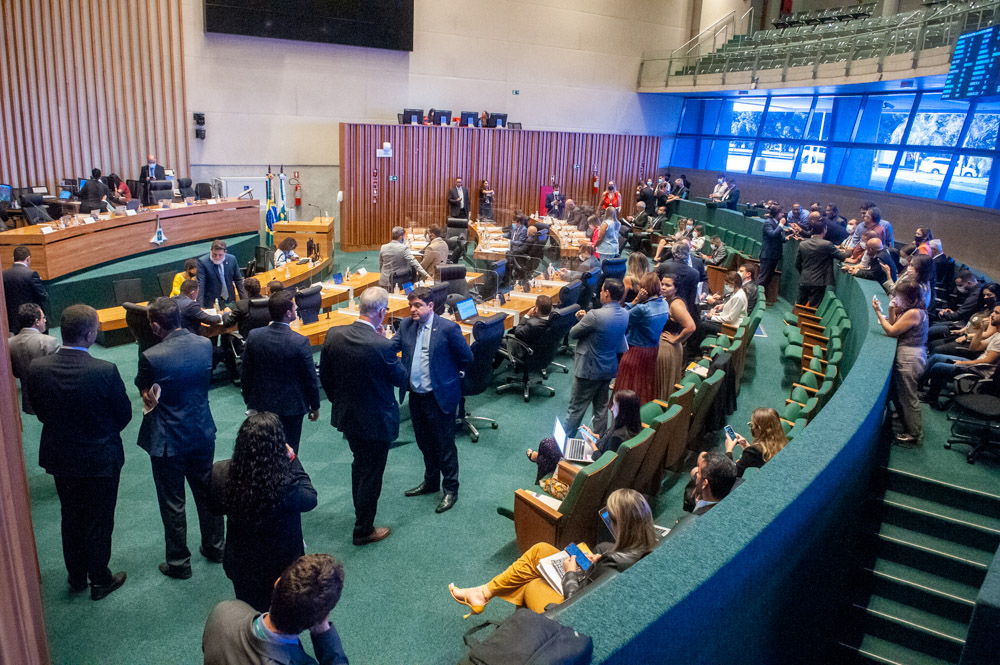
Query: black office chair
536	251
309	301
399	279
457	227
133	188
589	288
439	296
127	290
456	249
258	314
568	294
34	209
184	185
260	258
138	324
160	190
487	336
454	276
527	360
975	412
203	190
166	280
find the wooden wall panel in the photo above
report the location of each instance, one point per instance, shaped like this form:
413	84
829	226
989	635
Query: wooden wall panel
517	163
87	83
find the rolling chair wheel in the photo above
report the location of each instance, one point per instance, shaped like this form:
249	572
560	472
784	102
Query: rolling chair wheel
947	446
474	439
496	426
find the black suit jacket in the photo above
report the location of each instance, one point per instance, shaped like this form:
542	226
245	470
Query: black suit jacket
240	314
772	239
449	355
731	198
158	173
83	407
182	422
192	315
555	204
875	271
528	331
815	262
278	372
358	369
648	196
456	209
209	286
21	285
93	196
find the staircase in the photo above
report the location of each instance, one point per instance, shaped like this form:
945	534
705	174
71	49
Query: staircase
922	562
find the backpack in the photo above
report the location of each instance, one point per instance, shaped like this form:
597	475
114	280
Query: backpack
528	638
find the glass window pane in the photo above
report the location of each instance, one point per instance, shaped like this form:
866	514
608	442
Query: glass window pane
812	163
786	117
819	127
776	159
969	182
700	116
921	173
982	133
685	153
741	117
738	155
868	168
845	113
937	122
883	119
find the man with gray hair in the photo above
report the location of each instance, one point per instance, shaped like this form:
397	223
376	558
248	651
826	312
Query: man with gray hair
358	368
396	264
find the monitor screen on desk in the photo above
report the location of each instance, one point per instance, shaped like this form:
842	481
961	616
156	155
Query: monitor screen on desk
466	309
413	117
5	193
65	194
497	120
83	181
441	118
469	119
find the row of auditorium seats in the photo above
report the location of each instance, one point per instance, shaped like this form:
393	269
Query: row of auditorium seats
816	16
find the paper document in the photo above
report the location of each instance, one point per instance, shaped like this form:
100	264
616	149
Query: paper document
551	567
154	393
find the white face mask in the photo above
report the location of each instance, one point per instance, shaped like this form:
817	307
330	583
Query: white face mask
689	227
721	180
728	289
850	228
584	257
614	409
219	262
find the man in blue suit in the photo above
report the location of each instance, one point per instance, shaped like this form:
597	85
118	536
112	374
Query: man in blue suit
278	370
772	245
358	368
219	277
178	432
555	203
434	355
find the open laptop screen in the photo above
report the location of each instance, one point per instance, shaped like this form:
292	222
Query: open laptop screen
466	309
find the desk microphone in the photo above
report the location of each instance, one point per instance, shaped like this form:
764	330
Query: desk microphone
358	264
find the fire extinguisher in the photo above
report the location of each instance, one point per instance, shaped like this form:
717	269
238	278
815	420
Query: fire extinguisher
297	189
597	184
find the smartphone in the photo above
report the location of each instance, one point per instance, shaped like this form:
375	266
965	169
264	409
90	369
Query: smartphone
587	435
578	554
730	432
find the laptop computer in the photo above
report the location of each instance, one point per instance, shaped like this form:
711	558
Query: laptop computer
573	450
466	312
65	194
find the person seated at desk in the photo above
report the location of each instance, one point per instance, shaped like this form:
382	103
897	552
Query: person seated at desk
190	272
274	286
286	252
94	195
523	585
436	251
119	194
587	263
532	326
192	315
241	308
732	312
768	439
395	258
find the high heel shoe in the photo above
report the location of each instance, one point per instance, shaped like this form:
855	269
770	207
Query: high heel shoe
476	609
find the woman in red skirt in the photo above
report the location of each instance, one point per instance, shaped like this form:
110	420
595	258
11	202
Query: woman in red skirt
648	314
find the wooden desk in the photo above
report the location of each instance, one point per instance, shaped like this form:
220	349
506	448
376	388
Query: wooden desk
568	238
62	251
320	230
291	273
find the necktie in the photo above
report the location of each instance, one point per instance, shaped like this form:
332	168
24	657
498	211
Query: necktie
416	365
224	292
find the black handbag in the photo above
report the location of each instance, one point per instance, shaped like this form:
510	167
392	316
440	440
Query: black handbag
527	638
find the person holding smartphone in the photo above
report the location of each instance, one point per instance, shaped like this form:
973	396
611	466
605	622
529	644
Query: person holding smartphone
767	435
522	584
907	322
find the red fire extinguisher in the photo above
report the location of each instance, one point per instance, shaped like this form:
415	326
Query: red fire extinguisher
297	189
597	184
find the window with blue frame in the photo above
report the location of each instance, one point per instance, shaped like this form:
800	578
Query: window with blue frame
910	143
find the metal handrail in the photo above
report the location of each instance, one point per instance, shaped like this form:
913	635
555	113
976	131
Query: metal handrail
821	44
698	36
749	31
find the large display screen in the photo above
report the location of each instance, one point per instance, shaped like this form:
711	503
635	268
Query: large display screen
974	66
385	24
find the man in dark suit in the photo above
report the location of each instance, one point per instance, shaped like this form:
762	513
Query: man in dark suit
219	276
815	264
94	195
82	405
178	432
240	309
712	479
646	194
358	368
555	203
192	315
772	244
278	370
532	326
147	174
434	355
732	195
686	278
21	284
878	257
458	200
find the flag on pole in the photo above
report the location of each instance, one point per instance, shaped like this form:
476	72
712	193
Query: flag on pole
282	212
272	212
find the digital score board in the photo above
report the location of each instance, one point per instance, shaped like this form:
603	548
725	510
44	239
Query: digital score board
974	66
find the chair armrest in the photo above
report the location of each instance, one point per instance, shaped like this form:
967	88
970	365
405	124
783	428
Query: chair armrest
809	339
534	521
808	327
791	401
729	330
799	309
566	472
787	421
662	403
806	388
805	316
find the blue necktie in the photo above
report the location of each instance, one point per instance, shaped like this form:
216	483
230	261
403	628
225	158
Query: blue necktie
224	292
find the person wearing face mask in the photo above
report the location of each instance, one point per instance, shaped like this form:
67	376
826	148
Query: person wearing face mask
662	191
878	260
734	309
969	340
587	263
555	203
646	195
920	245
147	174
612	197
942	368
697	238
968	288
853	238
219	277
720	188
719	252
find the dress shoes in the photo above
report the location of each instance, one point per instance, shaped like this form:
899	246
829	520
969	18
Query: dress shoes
447	501
176	573
377	534
78	586
213	557
422	488
99	591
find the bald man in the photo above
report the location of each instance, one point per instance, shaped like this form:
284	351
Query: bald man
151	171
878	256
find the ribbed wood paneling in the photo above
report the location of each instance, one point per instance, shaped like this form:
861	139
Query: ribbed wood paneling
426	160
87	83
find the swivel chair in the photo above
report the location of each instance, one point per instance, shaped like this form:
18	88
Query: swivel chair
527	360
456	248
309	301
184	185
127	290
568	295
439	295
138	324
161	190
203	190
589	288
34	212
494	277
258	314
454	277
487	336
457	227
611	268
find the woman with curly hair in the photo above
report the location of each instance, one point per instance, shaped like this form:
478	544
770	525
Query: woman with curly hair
263	490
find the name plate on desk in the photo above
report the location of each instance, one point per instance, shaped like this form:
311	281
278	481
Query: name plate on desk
46	229
362	271
130	213
89	220
211	201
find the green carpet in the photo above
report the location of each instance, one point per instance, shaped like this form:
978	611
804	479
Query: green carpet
396	607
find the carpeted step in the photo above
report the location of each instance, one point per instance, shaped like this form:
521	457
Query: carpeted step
919	631
940	521
964	593
884	652
965	499
901	546
937	544
919	595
